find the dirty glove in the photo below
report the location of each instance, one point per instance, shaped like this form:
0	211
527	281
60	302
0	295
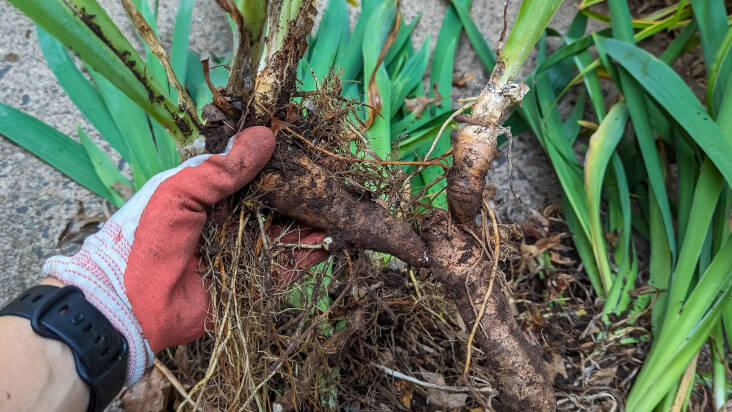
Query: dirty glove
140	269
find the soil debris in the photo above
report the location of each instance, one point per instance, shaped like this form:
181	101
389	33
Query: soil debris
80	225
150	394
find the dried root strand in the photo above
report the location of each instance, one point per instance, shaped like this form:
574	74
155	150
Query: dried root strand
494	268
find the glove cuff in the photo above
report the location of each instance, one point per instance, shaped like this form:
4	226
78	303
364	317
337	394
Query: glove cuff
97	270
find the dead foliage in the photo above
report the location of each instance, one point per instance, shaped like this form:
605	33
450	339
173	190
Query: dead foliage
420	103
149	394
592	364
80	225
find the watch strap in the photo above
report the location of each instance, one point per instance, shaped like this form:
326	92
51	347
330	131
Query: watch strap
100	351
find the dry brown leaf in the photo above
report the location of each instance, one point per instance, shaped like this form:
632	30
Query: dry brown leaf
531	229
559	247
77	225
556	366
630	351
420	103
552	210
440	398
559	282
149	394
528	257
550	242
685	384
381	202
541	219
528	252
463	80
559	259
604	377
405	390
534	319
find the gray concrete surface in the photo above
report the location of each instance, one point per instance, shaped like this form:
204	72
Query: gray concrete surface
36	201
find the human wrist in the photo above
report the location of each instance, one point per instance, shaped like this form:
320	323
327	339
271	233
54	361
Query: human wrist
100	351
52	282
38	373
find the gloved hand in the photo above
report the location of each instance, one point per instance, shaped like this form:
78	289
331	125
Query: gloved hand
140	269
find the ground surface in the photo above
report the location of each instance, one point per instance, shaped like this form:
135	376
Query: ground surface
38	201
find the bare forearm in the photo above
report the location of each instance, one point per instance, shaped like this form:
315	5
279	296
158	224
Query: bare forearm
38	374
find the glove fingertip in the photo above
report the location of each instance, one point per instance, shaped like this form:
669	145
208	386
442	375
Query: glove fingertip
258	142
250	151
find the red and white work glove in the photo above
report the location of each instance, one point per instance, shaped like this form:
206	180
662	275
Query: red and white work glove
140	269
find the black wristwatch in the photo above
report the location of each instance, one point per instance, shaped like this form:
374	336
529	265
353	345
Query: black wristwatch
100	351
